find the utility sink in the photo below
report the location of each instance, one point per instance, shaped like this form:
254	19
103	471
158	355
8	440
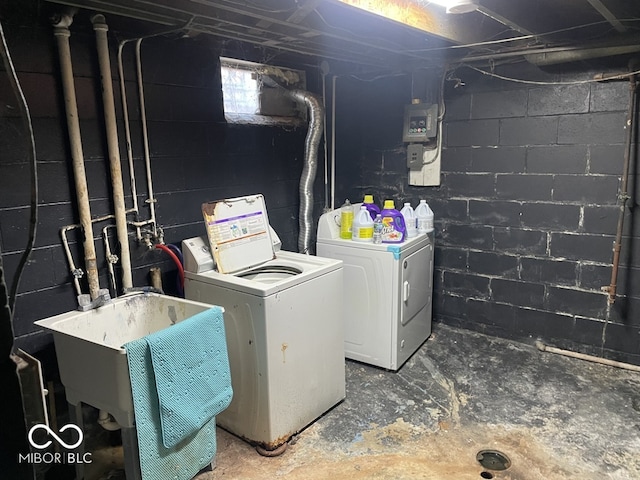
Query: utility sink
93	364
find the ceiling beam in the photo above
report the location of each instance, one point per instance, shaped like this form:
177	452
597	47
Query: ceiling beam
608	15
288	37
304	10
504	20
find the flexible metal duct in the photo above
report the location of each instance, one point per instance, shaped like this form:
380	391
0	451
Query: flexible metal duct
314	135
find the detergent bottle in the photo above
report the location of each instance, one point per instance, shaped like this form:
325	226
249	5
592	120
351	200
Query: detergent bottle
394	229
362	227
371	207
346	219
410	220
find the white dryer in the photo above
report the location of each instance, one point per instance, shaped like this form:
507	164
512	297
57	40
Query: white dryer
285	336
388	294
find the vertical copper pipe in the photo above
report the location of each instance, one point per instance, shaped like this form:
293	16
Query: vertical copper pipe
624	195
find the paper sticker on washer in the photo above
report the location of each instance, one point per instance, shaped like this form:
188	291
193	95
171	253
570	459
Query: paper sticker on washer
238	232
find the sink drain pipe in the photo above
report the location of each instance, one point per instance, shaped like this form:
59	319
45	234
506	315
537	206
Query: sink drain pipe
106	421
61	32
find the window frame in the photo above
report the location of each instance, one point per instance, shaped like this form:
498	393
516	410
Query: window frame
273	108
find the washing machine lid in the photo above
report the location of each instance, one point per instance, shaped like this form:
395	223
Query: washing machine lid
265	283
238	232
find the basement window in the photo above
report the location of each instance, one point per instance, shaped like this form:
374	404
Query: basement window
252	95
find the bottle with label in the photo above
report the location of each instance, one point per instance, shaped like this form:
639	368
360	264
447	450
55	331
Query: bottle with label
346	219
425	217
362	227
377	229
393	227
410	220
372	207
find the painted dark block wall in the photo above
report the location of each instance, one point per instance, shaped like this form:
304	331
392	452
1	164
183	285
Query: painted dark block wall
526	211
195	157
525	214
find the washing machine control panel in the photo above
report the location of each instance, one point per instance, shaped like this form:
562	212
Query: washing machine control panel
197	256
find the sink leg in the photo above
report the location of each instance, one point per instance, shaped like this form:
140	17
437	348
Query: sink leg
131	453
75	415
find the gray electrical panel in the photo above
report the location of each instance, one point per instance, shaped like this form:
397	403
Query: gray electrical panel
420	122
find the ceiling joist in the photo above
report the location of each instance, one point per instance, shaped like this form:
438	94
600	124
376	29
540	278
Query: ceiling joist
390	34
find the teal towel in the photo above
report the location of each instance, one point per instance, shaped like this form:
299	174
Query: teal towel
191	367
196	450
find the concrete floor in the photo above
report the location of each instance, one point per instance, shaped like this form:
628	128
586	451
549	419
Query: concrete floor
554	417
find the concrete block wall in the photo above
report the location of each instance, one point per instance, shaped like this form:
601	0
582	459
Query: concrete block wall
525	214
195	157
527	209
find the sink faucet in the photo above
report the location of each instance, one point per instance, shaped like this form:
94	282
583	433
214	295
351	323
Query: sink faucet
85	303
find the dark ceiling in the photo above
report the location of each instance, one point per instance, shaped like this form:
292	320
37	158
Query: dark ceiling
545	32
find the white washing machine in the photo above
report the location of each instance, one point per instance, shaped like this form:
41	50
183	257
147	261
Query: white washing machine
284	326
388	294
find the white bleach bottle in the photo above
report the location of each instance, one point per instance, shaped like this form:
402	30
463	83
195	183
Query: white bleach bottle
362	227
410	220
424	215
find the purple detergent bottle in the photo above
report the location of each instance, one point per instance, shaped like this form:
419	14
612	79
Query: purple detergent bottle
372	208
394	229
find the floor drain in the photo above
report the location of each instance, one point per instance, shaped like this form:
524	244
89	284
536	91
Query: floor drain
493	460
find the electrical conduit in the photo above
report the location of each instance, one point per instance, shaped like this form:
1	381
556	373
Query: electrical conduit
101	28
62	34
